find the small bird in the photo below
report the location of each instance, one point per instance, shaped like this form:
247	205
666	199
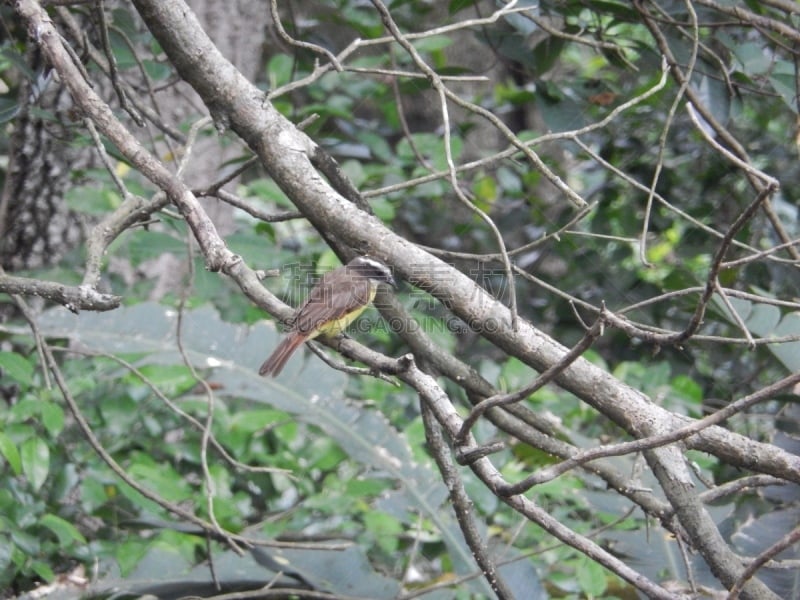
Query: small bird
335	302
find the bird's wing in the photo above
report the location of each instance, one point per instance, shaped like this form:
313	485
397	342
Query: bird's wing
331	299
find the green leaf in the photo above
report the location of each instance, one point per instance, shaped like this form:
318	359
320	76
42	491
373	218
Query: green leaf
377	145
546	53
157	70
162	479
752	57
715	96
172	380
621	10
123	53
789	353
763	319
591	577
129	553
252	421
338	107
92	200
513	94
485	190
364	488
6	552
431	147
323	454
35	456
688	389
95	493
16	367
354	170
26	408
456	5
26	542
268	190
52	417
8	110
384	209
146	245
43	570
433	43
279	70
366	22
782	78
64	530
386	530
9	450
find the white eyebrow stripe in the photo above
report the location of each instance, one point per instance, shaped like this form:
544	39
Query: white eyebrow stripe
373	263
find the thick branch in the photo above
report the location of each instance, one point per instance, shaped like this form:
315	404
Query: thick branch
75	298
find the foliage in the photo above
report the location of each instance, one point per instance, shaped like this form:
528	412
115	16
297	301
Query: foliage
317	455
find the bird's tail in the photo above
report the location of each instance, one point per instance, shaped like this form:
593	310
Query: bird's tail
274	364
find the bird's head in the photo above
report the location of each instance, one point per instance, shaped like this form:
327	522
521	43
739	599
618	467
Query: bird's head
372	269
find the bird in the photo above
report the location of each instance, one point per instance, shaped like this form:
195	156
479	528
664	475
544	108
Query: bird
335	302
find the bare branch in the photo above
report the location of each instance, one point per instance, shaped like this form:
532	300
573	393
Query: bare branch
75	298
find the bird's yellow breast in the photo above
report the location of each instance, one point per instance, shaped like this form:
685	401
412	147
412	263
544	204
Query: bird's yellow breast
337	326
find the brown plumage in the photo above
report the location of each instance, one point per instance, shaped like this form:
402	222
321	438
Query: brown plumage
339	297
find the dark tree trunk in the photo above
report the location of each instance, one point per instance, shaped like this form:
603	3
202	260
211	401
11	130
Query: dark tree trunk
36	225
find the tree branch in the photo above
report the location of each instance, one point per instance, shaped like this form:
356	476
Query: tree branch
286	154
75	298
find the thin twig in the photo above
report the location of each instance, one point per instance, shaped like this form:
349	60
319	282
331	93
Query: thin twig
136	372
38	338
700	309
112	64
662	142
276	20
462	504
782	544
546	377
444	95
